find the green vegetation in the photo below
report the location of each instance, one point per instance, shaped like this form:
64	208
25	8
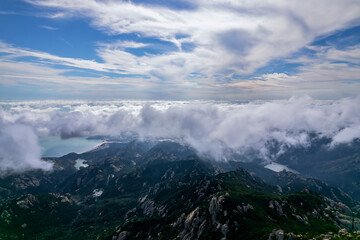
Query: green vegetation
164	193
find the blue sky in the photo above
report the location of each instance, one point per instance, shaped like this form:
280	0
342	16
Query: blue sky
228	49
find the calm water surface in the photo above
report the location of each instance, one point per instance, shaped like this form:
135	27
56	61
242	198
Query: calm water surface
57	147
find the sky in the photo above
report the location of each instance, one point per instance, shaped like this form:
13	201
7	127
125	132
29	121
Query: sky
179	50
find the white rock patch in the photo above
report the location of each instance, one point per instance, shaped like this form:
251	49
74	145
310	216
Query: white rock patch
97	193
80	163
276	167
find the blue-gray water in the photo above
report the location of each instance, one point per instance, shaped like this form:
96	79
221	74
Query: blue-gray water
57	147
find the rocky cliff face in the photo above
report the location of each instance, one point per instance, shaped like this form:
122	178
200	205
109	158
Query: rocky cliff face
231	209
165	192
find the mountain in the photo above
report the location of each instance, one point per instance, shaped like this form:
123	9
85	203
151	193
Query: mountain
163	190
337	165
289	182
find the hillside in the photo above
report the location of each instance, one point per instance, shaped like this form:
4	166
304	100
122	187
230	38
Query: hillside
164	191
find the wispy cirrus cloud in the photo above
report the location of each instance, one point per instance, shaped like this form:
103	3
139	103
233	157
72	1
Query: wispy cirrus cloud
13	53
215	46
245	34
49	27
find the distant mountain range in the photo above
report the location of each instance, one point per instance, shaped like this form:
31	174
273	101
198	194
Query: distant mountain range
164	190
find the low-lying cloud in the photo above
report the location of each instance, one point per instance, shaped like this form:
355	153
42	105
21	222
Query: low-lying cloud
19	150
212	128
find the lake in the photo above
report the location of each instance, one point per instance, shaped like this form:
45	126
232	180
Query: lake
57	147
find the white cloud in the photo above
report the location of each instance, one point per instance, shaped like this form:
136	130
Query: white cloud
330	73
350	54
211	128
13	53
15	73
123	45
19	150
49	27
228	36
346	135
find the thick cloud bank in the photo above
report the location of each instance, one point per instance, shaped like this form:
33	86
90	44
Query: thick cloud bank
212	128
19	150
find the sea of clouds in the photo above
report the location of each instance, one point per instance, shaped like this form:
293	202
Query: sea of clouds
212	128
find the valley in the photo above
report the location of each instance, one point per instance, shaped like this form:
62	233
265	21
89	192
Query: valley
165	190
